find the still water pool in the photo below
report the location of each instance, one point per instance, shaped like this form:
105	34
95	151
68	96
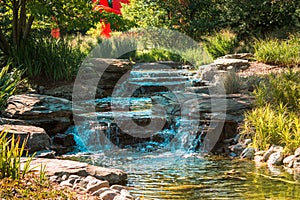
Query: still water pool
178	175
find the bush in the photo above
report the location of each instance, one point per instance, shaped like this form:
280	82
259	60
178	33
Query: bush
278	52
8	83
49	59
221	43
156	55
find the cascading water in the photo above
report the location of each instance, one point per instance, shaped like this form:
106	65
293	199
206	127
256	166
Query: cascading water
105	134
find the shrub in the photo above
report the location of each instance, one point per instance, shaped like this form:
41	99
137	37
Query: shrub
278	52
8	83
221	43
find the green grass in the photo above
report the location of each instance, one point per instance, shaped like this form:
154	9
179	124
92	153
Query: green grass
276	118
278	52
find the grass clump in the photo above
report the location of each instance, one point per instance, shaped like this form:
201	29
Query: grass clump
8	84
278	52
232	82
11	151
276	118
221	43
49	59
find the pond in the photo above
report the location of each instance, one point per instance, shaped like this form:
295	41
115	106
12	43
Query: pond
182	175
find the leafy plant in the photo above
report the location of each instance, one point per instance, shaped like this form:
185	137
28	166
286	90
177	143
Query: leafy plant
10	157
221	43
280	89
275	119
278	52
267	126
8	83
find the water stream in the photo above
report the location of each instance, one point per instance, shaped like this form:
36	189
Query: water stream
165	164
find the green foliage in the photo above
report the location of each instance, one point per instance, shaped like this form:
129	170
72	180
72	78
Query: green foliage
29	188
276	118
48	58
8	83
258	17
10	157
278	52
145	13
156	55
120	46
280	89
221	43
268	126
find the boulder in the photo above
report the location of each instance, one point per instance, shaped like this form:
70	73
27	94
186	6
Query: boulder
108	195
289	161
66	140
230	63
68	167
37	138
51	113
297	152
113	176
275	158
248	153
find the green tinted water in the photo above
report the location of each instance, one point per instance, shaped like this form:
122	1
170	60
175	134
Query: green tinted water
191	177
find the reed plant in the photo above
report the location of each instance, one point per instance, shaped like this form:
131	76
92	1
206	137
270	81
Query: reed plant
11	151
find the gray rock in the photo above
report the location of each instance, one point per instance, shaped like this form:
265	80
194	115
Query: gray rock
275	158
66	140
100	191
37	138
268	153
51	113
66	183
296	164
258	159
59	167
117	187
237	64
95	185
108	195
248	153
289	161
297	152
45	154
54	178
113	176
